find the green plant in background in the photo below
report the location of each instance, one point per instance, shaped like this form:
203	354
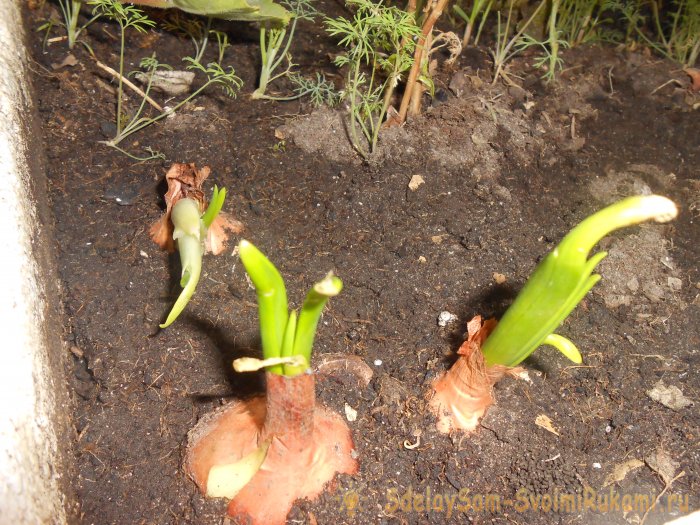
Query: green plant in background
380	44
480	10
319	90
550	59
507	46
215	75
70	9
190	231
580	21
286	336
275	39
675	27
126	16
562	280
197	30
129	16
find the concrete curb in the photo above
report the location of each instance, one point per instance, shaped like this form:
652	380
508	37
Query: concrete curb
33	399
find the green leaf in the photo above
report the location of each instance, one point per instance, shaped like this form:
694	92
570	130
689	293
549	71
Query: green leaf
244	10
272	299
215	205
310	314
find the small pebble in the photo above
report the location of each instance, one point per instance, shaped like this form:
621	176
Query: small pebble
446	318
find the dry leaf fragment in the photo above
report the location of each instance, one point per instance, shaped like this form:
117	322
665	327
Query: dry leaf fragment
694	74
546	423
663	464
69	61
621	470
669	396
415	182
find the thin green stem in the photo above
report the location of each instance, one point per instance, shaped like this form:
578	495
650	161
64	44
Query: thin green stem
309	316
121	73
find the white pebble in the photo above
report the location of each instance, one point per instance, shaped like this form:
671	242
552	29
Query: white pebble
446	318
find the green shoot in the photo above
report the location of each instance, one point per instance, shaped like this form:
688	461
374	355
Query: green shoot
379	40
215	205
190	232
562	280
283	333
309	316
503	50
126	16
275	40
480	9
70	9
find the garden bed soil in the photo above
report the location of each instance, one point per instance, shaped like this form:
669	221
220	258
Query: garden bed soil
507	172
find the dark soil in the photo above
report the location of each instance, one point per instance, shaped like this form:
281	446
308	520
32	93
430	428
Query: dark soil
508	171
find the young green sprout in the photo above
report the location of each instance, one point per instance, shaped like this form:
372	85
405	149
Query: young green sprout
265	452
553	290
562	280
190	232
283	333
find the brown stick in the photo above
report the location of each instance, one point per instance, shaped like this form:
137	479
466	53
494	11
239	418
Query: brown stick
130	84
435	13
414	106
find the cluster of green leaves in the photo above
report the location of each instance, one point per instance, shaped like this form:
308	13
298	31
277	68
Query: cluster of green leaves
285	334
275	40
70	11
579	21
379	43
